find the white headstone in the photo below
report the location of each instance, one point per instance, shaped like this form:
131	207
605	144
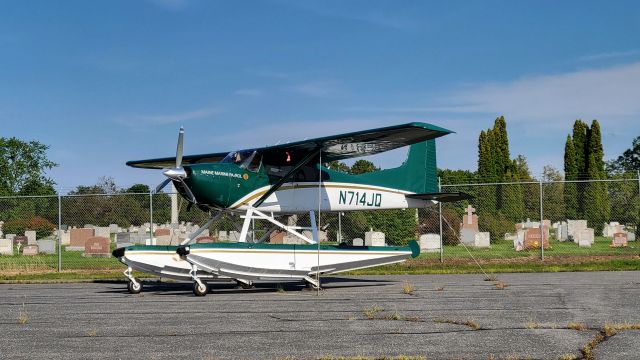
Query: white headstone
482	240
6	247
374	238
234	236
430	242
631	236
103	232
518	242
585	236
292	240
468	236
223	235
574	227
114	228
47	246
31	237
358	242
65	237
164	240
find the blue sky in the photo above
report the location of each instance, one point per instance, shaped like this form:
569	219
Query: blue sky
103	82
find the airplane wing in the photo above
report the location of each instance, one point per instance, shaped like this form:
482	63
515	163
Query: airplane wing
336	147
169	162
361	143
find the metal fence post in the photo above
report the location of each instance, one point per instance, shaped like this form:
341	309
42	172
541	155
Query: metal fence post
59	233
151	217
440	220
541	224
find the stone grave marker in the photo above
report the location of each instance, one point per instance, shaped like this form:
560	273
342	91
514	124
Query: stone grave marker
612	228
631	236
47	246
276	237
114	228
31	237
78	238
223	235
482	240
164	240
30	250
162	232
10	236
292	240
574	227
6	247
468	236
585	237
374	238
102	232
123	238
533	239
234	236
65	237
518	242
470	220
205	239
97	246
430	242
358	242
562	233
620	240
20	239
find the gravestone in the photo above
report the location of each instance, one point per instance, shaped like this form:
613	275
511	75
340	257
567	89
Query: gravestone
223	235
482	240
47	246
612	228
164	240
533	239
574	227
31	237
123	238
358	242
162	232
234	236
65	237
374	238
585	237
562	233
276	237
620	240
518	242
290	239
6	247
631	236
470	220
10	236
30	250
20	239
114	228
468	236
78	238
430	242
205	239
510	236
102	232
97	246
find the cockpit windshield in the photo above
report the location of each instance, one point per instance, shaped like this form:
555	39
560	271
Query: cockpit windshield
247	159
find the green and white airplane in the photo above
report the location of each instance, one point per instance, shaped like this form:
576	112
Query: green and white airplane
268	182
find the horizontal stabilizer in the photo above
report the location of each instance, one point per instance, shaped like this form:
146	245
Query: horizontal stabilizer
442	197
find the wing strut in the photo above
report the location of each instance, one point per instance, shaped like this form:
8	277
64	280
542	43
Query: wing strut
288	175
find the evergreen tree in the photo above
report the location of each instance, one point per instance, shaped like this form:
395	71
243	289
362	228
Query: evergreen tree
501	150
570	173
596	197
512	196
580	144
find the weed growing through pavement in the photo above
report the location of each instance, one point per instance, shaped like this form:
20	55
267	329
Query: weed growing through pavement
532	324
23	317
501	285
407	288
92	333
576	326
370	313
611	329
441	288
469	323
395	316
568	357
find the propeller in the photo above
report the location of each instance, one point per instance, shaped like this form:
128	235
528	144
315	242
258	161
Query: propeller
177	173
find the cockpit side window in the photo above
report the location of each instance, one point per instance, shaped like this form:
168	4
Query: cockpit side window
253	162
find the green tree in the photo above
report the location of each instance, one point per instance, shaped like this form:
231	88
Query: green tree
581	144
339	166
628	161
596	210
363	166
570	173
23	166
513	197
553	194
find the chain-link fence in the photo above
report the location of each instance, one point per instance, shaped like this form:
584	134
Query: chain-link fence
502	222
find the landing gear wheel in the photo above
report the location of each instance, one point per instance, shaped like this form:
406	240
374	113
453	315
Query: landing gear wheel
134	287
200	290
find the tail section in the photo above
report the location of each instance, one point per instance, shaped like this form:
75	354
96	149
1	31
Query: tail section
417	174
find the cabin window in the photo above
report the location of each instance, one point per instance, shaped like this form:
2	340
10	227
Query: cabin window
253	162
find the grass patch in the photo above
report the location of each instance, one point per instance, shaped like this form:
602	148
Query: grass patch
587	350
469	323
532	324
568	357
399	357
611	329
23	316
92	333
576	326
407	288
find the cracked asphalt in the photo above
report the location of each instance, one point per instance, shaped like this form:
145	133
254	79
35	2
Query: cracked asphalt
526	319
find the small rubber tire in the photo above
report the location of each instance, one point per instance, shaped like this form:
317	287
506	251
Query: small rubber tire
200	291
134	288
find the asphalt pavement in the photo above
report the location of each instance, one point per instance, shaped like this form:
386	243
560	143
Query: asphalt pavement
445	317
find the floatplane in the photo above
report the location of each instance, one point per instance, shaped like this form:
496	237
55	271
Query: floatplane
292	178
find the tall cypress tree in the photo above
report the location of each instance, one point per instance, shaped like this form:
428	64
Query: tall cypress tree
501	141
570	173
581	145
597	207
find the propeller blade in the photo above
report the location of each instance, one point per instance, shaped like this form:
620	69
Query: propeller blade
192	198
179	148
162	185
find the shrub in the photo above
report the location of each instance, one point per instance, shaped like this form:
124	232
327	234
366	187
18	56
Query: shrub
41	226
497	225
